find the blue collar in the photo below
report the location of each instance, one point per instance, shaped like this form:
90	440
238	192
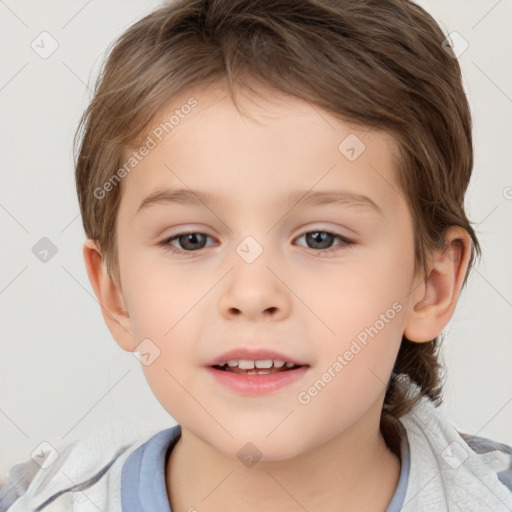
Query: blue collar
144	489
143	486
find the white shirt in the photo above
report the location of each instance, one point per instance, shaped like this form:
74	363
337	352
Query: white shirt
443	470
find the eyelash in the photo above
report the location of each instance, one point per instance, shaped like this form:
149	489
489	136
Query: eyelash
166	243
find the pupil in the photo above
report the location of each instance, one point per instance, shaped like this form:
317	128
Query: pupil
191	239
317	237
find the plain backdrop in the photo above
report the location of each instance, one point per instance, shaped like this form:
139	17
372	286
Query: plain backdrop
62	376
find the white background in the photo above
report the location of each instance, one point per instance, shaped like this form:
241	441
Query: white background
61	374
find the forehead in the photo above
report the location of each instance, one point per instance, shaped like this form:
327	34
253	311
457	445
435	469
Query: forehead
200	140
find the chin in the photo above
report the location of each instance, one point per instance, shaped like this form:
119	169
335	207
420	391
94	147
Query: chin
251	449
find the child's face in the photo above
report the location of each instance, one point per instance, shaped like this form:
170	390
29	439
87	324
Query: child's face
308	297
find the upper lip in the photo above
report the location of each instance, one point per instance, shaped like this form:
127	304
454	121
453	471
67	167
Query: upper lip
254	354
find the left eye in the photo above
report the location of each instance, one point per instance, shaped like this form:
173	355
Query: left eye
321	240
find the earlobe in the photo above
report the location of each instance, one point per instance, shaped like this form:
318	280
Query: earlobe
434	303
109	296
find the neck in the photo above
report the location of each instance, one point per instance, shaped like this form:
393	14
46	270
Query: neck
352	471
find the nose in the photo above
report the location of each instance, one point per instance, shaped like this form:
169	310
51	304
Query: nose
255	291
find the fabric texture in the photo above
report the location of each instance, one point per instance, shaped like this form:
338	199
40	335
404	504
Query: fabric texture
443	470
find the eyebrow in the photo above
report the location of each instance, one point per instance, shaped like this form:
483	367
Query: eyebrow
302	197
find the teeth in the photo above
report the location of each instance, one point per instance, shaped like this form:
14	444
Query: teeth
262	364
245	364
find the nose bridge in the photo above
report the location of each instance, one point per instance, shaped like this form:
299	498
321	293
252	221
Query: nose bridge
251	249
252	287
253	237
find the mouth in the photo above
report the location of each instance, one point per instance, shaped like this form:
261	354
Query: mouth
245	367
256	378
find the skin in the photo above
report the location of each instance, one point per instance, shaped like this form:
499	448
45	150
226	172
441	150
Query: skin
295	298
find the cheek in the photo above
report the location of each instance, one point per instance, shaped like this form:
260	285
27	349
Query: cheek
157	295
162	316
355	294
364	305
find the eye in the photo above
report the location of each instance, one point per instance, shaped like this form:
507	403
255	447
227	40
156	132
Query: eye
322	240
192	241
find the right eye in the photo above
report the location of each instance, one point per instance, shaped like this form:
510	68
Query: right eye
190	241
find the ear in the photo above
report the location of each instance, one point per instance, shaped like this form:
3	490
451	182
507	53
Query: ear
109	296
434	300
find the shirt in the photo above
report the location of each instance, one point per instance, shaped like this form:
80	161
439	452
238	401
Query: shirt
143	487
442	470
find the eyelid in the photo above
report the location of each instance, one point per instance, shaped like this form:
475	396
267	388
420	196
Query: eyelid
299	232
345	241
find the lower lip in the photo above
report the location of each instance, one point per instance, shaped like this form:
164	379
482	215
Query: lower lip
257	384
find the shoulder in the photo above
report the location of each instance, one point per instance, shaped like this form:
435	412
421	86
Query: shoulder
500	459
93	462
17	482
454	470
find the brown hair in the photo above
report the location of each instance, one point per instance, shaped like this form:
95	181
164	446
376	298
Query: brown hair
379	63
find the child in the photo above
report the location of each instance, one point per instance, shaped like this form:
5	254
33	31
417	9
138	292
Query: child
321	150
